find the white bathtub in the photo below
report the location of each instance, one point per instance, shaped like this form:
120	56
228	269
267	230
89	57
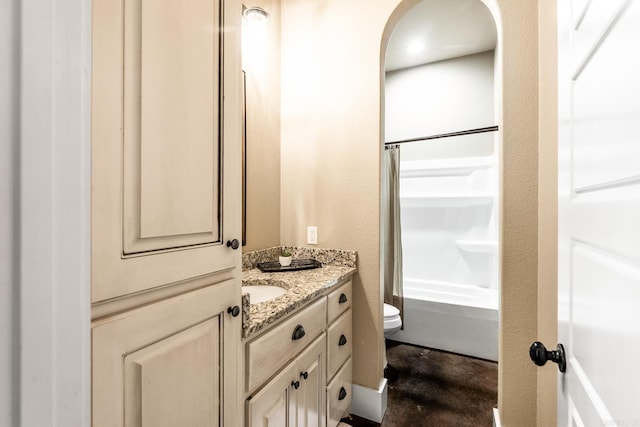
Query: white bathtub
453	317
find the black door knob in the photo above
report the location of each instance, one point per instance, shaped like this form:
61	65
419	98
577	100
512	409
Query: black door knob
539	355
234	311
233	244
342	299
295	384
304	375
298	333
342	341
342	394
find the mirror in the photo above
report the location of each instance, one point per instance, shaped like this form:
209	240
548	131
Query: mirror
261	66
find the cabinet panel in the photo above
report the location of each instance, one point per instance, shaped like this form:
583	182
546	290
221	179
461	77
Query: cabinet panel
166	380
168	361
339	395
338	343
163	204
171	119
310	396
296	395
270	406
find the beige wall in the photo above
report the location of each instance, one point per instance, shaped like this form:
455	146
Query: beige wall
263	136
331	147
518	305
330	140
547	210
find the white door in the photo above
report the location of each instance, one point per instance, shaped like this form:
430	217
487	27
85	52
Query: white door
599	212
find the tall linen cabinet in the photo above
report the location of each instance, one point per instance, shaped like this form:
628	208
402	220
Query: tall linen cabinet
166	204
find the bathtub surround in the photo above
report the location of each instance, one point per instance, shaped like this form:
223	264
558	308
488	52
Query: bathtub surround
450	325
450	238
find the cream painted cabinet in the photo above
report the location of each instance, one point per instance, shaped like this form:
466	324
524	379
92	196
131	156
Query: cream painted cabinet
339	337
339	395
169	363
269	407
310	375
166	208
166	143
308	398
295	396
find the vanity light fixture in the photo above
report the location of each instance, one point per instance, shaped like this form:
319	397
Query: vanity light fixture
256	14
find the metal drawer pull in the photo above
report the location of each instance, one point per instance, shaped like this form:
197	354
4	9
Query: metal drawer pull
295	384
298	333
342	299
342	340
304	374
342	394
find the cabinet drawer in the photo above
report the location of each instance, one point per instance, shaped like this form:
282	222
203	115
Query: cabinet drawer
339	395
267	353
338	302
338	343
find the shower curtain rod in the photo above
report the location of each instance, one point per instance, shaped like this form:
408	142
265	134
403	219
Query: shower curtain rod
446	135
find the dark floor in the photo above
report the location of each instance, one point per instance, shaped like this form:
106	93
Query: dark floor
436	388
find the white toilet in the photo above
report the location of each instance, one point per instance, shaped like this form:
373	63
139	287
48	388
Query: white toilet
392	320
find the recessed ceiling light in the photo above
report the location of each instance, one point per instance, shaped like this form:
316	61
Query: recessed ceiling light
415	47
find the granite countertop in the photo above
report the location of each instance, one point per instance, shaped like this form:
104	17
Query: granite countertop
302	286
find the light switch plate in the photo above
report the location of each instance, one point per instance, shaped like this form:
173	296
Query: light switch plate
312	235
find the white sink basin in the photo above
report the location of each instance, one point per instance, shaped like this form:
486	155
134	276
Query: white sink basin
262	293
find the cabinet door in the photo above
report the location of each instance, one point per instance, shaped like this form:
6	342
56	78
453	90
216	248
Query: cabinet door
270	406
169	363
308	400
165	139
339	395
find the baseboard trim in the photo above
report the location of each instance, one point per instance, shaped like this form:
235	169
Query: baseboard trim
369	403
496	418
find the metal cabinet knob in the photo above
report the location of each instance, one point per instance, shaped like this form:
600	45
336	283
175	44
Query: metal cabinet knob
342	299
304	375
233	244
539	355
234	311
342	341
295	384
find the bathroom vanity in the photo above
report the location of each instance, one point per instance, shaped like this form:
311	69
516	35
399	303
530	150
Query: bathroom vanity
297	346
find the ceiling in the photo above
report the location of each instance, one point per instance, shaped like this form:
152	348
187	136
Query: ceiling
445	28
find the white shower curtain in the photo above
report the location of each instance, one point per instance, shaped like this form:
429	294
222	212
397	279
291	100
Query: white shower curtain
392	237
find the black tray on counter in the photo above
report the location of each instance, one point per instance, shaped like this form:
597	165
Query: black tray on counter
296	265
